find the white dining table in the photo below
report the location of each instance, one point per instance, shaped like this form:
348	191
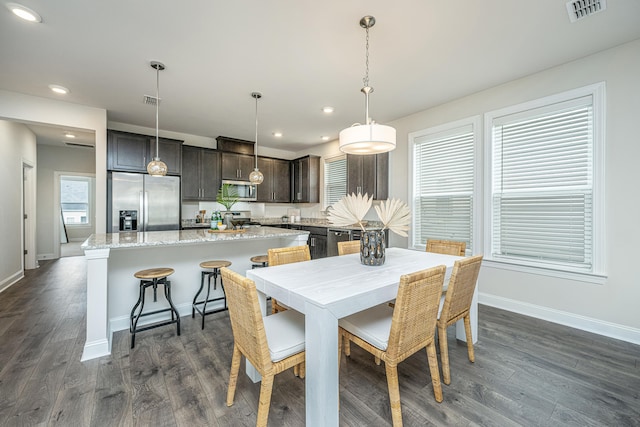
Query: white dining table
327	289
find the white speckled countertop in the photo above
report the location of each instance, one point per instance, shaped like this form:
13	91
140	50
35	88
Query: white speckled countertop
180	237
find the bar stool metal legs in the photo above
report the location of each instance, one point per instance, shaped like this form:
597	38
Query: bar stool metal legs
152	278
210	269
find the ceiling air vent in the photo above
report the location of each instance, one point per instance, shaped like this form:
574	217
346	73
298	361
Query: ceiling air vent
579	9
151	100
77	144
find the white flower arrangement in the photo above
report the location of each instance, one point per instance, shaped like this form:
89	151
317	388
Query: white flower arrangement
351	209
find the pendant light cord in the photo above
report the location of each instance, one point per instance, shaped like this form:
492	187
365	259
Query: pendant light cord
157	111
365	80
256	147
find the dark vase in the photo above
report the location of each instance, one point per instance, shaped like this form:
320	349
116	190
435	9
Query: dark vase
372	246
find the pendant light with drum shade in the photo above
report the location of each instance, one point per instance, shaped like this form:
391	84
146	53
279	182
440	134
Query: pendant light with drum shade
256	176
157	167
370	137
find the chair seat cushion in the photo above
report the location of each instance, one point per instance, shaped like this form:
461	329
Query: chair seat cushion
285	334
372	325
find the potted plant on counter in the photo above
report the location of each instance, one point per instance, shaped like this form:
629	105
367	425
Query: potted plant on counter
227	196
351	209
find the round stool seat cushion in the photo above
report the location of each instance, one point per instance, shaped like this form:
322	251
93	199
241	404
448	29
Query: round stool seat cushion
154	273
215	264
260	259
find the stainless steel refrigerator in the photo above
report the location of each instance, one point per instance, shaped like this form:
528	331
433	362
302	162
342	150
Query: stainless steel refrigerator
140	202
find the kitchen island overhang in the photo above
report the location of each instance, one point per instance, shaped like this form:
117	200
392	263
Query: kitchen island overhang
113	258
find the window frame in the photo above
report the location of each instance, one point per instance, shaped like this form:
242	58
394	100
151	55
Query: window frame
89	182
326	160
597	273
476	210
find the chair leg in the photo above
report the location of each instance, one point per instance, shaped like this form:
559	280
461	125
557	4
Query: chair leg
444	354
432	357
347	346
296	370
265	400
394	394
302	370
233	375
377	360
467	330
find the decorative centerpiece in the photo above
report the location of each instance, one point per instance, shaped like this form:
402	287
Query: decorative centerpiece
351	210
227	196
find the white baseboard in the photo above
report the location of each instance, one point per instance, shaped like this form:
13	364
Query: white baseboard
577	321
6	283
45	256
95	349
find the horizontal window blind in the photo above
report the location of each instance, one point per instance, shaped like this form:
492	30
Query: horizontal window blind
335	179
542	185
443	186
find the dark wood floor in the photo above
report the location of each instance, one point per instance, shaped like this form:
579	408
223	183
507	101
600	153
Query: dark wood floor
527	372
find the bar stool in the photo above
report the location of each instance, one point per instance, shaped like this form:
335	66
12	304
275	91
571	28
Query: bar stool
210	268
259	261
153	277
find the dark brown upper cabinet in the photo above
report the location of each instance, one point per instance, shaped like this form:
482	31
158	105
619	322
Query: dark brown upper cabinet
200	173
276	187
236	166
130	152
305	176
368	174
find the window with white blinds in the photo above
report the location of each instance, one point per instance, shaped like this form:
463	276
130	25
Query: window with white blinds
335	179
443	184
542	185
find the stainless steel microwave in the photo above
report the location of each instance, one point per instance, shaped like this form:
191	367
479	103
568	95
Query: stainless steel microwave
246	190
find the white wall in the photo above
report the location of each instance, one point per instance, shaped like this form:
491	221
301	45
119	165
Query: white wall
26	108
612	308
53	159
17	145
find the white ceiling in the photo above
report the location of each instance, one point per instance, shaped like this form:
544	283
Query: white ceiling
301	55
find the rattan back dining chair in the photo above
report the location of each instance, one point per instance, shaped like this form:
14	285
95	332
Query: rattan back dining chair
447	247
288	255
349	247
394	334
271	344
456	304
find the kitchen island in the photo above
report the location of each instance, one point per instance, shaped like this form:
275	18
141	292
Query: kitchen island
113	258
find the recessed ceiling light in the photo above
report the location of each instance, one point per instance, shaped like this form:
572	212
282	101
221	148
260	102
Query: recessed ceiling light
327	110
69	135
277	134
59	89
24	12
325	138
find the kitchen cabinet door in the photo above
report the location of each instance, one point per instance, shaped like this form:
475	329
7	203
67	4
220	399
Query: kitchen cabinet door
306	175
170	153
191	189
130	152
265	190
317	246
236	166
281	183
201	174
276	187
127	151
368	174
210	174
